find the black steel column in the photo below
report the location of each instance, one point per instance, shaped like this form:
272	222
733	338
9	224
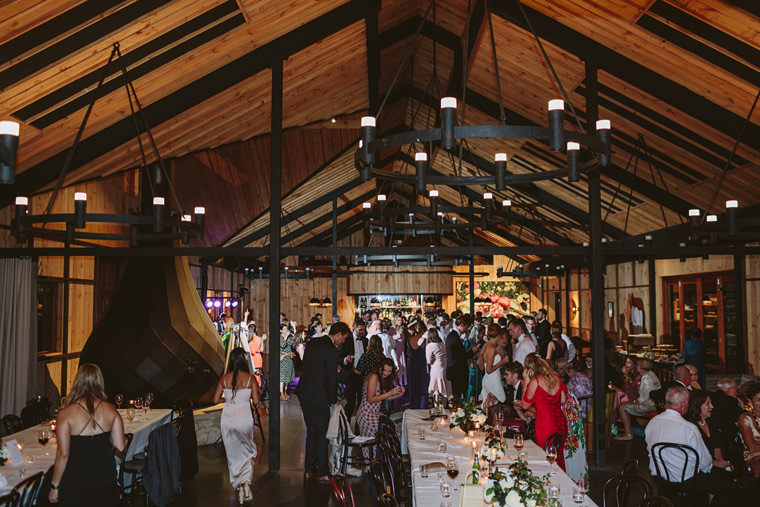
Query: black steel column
275	205
596	271
740	282
66	319
653	310
204	282
472	273
335	258
568	274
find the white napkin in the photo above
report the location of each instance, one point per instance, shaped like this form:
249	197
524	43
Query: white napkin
3	482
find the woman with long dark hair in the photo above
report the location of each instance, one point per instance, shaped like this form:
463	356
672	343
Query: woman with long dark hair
378	387
239	388
85	472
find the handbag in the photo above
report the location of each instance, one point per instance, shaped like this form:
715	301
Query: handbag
472	494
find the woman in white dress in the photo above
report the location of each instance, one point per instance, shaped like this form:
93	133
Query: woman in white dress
492	363
239	388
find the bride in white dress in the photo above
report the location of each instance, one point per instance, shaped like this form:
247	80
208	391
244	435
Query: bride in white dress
491	361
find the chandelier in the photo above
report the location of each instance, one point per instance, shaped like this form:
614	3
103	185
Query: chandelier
157	225
585	152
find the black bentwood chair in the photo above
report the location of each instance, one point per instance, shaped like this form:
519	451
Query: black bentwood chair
626	490
382	476
28	489
12	424
387	500
9	500
678	487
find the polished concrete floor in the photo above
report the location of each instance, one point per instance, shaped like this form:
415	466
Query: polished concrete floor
211	486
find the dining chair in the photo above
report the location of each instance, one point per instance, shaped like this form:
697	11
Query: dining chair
342	491
9	500
387	500
657	501
629	467
128	438
678	487
12	424
350	445
626	490
381	476
28	489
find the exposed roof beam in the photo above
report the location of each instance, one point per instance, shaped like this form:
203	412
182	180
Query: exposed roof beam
191	95
628	70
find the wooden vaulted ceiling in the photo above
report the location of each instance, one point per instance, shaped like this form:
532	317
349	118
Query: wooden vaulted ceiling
677	78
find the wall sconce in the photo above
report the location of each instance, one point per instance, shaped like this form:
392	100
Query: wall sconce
9	131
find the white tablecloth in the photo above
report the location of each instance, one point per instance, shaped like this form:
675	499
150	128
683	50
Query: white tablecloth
38	458
427	491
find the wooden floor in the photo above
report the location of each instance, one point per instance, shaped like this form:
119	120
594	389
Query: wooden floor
211	486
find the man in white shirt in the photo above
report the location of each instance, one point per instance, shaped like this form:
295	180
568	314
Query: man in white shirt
530	325
670	426
389	347
524	344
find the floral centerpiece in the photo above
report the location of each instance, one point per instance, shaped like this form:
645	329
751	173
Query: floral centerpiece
466	415
4	455
493	441
517	487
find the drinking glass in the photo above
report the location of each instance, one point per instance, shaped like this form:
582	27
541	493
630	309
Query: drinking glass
421	433
580	489
445	490
553	493
130	413
119	399
149	399
517	441
424	471
551	457
442	447
138	403
43	437
146	407
451	467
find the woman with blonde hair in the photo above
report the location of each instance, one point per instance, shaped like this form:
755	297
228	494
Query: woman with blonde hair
87	431
544	390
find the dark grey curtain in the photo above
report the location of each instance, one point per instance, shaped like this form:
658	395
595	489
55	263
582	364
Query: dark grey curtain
18	333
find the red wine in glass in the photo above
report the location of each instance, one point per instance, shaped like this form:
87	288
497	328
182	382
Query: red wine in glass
43	437
453	472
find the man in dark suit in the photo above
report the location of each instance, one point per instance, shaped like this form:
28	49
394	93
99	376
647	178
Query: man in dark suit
456	356
543	332
350	353
317	390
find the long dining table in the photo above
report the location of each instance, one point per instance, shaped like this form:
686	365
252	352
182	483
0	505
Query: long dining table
427	491
39	458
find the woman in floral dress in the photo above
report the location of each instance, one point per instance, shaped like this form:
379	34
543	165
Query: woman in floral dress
377	388
287	369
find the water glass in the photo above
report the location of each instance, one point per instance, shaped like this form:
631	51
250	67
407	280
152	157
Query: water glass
445	489
421	433
523	456
130	413
442	446
553	492
424	471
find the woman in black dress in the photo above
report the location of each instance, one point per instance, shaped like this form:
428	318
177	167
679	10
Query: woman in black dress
87	431
557	347
416	366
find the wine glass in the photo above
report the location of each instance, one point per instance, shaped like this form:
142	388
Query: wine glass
138	403
149	399
580	489
130	413
145	407
43	437
551	457
119	400
451	467
517	441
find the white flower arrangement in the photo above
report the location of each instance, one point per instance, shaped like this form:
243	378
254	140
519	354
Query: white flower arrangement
4	454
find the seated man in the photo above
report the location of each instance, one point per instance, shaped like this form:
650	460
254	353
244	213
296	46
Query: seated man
671	427
644	404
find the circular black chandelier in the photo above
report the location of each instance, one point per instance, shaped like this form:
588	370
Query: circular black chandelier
156	225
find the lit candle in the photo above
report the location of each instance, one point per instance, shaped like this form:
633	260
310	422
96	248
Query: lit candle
474	445
471	433
477	426
51	425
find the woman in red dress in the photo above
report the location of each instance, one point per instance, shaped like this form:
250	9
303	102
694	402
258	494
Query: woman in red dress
547	393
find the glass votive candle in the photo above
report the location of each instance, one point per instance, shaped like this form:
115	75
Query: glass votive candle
477	427
523	456
51	425
421	433
474	445
471	434
442	446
